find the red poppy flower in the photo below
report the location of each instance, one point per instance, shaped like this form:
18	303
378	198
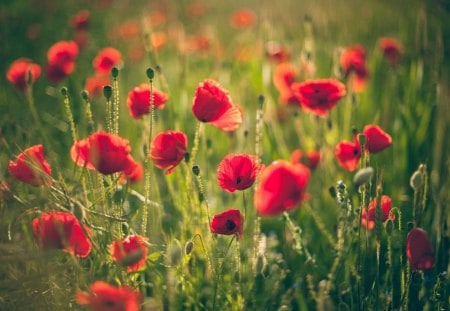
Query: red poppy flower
310	158
61	60
419	250
227	223
105	297
81	20
376	139
237	171
138	101
277	52
130	252
282	186
283	78
61	230
168	149
106	59
94	85
348	154
368	215
243	18
105	152
213	105
31	167
133	173
20	71
353	62
392	49
320	95
158	40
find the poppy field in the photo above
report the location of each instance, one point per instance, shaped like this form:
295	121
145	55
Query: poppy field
212	155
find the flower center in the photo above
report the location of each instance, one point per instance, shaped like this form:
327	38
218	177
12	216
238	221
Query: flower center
230	225
238	180
109	303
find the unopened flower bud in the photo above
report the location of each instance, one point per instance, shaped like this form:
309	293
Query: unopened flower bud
363	176
64	91
416	180
85	95
196	170
390	227
79	211
261	101
115	72
332	192
188	247
107	91
175	253
150	73
362	139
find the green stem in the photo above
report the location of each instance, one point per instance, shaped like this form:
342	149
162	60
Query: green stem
219	273
194	150
147	166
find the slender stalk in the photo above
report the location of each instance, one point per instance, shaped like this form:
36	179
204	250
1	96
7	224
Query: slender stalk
194	150
202	191
147	166
69	114
115	102
220	271
34	113
88	111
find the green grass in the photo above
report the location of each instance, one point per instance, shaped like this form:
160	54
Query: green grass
332	264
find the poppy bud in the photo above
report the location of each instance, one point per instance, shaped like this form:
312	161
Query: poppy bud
261	101
196	170
79	211
85	95
150	73
332	192
107	91
390	227
187	157
362	139
115	72
175	253
416	180
188	247
64	91
363	176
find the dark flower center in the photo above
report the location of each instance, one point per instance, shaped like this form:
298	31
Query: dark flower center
230	225
355	151
109	303
238	180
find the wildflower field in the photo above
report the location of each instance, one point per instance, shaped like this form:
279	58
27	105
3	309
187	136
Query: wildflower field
224	155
